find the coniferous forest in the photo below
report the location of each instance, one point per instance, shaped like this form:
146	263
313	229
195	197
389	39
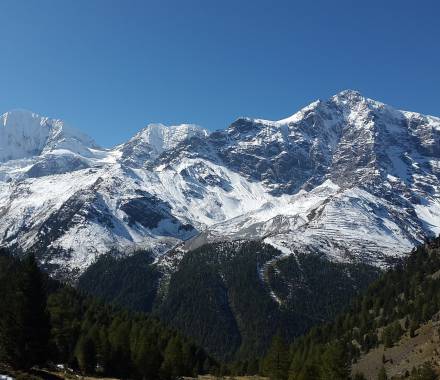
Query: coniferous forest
398	302
44	322
218	294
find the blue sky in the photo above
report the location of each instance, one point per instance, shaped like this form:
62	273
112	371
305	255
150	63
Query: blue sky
110	67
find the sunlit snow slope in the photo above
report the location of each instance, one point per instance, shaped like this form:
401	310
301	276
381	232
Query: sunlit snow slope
350	177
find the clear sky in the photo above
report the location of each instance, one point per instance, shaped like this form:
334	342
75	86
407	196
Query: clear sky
110	67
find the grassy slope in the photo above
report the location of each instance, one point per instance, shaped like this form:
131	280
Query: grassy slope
404	355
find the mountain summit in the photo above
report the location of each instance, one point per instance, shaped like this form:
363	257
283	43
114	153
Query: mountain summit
348	174
24	134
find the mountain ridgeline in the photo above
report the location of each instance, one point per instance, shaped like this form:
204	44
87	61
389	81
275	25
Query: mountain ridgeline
266	228
349	178
240	240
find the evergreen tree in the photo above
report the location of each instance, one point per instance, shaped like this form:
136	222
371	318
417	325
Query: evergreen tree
146	357
85	354
172	365
24	327
412	328
382	374
85	333
334	364
36	319
120	353
309	372
405	292
359	376
425	372
276	362
392	334
64	308
11	338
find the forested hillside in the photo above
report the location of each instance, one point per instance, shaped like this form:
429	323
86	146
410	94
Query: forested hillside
232	297
131	282
45	322
396	304
217	290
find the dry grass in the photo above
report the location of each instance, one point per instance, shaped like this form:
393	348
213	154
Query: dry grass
408	353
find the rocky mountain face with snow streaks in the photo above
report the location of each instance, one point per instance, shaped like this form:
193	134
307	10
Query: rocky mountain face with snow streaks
349	178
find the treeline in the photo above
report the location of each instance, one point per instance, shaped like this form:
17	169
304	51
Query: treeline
398	302
45	322
221	294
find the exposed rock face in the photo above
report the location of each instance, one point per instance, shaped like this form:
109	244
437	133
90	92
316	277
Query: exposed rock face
349	177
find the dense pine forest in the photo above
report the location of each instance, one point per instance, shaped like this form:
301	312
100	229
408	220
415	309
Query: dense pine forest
231	297
44	322
397	303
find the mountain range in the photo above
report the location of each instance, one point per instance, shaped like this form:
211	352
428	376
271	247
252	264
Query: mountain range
350	178
226	236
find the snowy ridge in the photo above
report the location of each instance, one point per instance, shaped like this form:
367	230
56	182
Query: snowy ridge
350	178
164	138
24	134
153	140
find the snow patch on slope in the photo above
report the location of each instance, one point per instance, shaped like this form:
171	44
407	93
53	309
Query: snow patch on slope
350	177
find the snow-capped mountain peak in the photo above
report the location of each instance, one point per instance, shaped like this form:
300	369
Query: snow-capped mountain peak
25	134
22	134
347	174
162	137
155	139
349	94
